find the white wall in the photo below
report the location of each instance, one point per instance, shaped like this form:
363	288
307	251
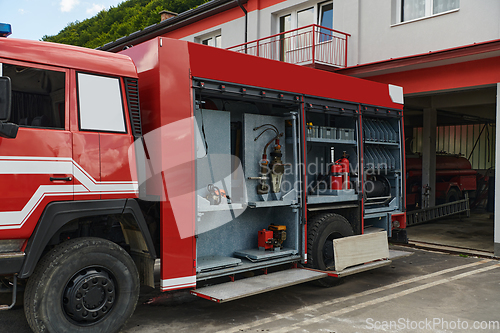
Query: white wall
373	37
475	21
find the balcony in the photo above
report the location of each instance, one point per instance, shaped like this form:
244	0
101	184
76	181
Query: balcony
312	45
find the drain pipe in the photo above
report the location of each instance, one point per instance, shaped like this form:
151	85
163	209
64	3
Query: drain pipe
246	23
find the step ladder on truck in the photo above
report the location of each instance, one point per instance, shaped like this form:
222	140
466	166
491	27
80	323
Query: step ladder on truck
165	152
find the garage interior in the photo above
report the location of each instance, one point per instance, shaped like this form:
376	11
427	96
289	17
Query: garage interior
464	136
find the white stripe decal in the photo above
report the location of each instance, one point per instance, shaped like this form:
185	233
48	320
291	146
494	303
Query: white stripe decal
51	166
180	286
176	283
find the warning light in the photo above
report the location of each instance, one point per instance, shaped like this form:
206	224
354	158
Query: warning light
5	29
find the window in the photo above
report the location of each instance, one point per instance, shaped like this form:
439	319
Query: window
305	17
213	38
325	19
213	41
414	9
38	96
326	15
321	14
297	45
100	103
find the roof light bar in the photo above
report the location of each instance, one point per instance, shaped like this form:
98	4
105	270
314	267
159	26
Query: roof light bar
5	29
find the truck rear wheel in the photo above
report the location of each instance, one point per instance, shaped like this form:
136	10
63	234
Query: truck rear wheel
322	229
453	195
83	285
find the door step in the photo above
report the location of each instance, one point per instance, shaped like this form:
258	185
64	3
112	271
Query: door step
230	291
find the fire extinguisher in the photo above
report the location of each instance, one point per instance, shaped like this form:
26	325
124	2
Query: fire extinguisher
336	176
340	179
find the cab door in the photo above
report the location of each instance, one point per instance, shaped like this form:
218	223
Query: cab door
36	167
103	143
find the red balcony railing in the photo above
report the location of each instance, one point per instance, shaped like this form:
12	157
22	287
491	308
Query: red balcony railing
309	45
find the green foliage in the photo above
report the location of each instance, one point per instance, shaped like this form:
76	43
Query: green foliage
109	25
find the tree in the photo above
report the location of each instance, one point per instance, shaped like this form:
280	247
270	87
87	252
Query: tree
122	20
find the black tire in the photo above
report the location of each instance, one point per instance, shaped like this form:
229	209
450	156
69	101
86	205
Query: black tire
321	230
82	285
453	195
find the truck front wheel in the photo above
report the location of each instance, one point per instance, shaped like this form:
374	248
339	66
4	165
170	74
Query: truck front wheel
322	229
82	285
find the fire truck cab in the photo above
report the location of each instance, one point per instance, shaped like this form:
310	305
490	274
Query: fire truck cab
226	165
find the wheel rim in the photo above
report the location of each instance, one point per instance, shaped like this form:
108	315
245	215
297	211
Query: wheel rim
89	296
328	254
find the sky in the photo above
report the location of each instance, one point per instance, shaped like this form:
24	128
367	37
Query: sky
32	19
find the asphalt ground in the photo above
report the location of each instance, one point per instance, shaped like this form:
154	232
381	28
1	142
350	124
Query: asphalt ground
426	292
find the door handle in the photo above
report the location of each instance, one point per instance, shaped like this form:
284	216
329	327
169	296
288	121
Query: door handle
68	179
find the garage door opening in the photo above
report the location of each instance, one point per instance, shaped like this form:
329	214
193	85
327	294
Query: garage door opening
450	167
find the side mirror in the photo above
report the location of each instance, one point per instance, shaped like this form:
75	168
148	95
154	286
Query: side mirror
5	98
8	130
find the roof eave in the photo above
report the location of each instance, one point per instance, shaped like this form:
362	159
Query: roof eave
196	14
431	59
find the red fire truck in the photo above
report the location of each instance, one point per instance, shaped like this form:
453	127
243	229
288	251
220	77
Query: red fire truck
454	178
227	164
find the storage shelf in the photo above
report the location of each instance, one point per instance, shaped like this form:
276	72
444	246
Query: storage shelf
395	144
321	140
383	170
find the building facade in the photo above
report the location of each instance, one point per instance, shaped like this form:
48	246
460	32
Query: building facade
444	53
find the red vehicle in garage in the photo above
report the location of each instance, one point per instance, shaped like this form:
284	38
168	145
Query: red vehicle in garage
454	177
212	172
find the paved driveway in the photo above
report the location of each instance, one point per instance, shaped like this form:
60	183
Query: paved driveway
427	291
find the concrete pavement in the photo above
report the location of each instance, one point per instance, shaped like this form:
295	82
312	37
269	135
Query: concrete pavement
426	292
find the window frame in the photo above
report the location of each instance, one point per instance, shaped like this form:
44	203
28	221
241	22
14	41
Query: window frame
123	103
66	72
321	11
210	35
398	12
293	12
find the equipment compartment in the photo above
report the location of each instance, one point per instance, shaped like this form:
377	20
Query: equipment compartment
383	166
247	181
333	155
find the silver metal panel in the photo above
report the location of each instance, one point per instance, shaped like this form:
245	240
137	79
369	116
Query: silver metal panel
215	166
256	285
317	199
209	263
246	266
260	255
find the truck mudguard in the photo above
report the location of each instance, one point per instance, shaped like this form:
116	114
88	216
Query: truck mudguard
57	214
